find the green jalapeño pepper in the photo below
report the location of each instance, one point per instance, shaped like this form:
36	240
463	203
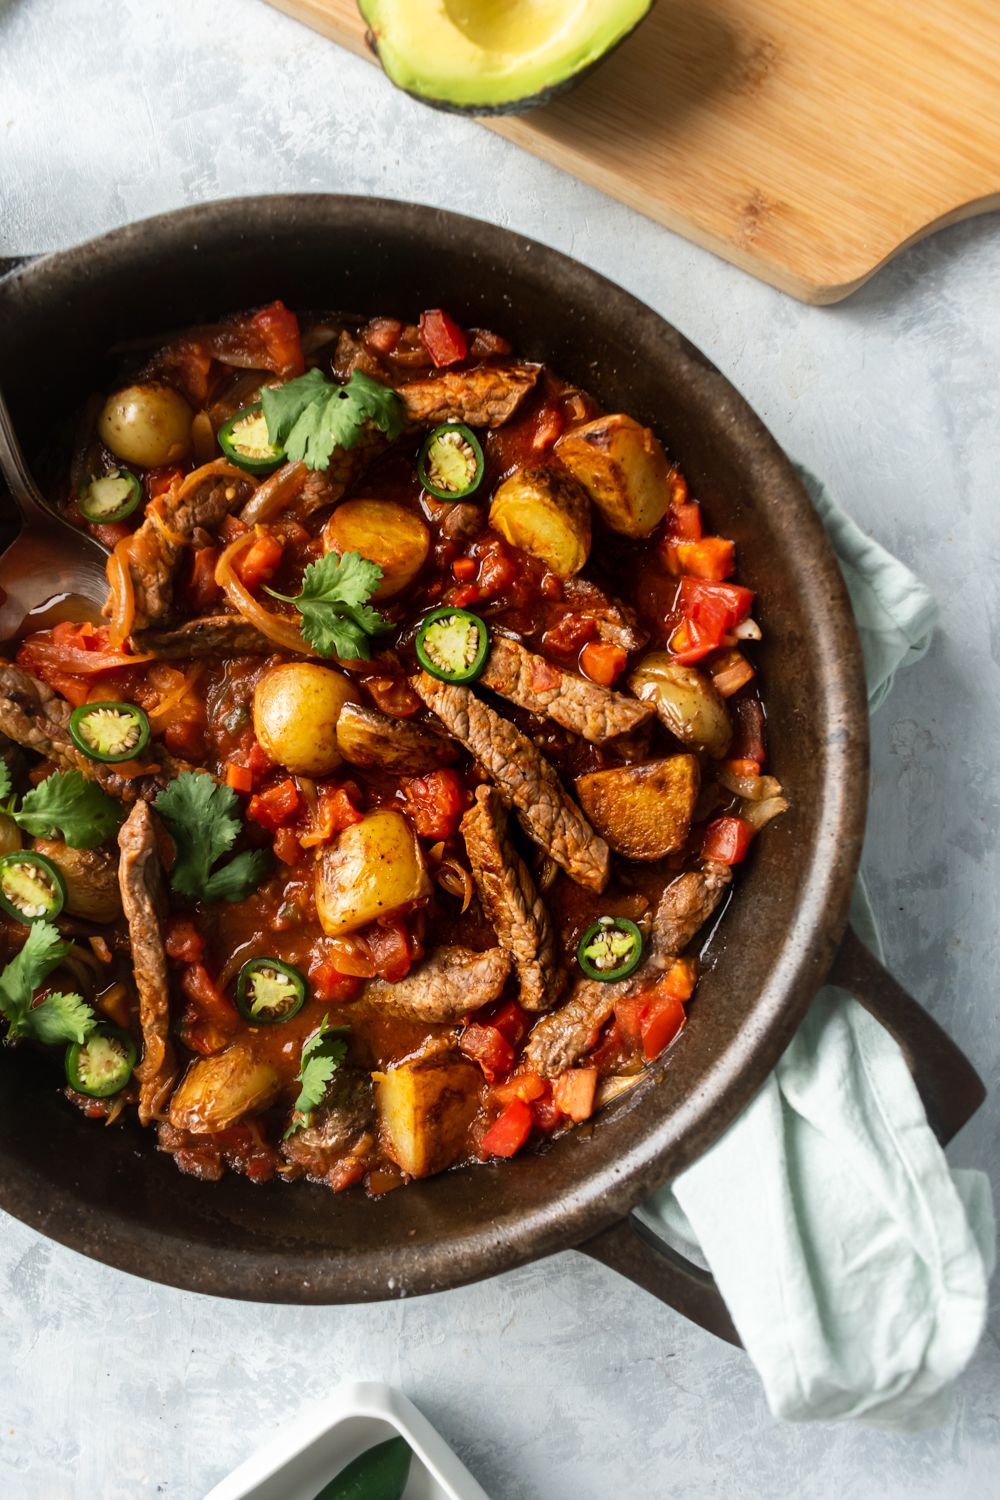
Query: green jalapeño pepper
109	732
110	497
245	441
451	464
611	948
269	991
31	887
453	644
101	1065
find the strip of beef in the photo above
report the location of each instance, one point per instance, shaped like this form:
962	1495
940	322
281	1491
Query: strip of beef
616	622
367	737
594	712
37	718
212	635
200	502
144	901
444	987
511	901
525	779
486	396
347	465
343	1125
559	1040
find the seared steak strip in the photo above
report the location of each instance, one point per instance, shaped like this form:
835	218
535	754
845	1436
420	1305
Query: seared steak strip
511	901
594	712
616	622
200	502
525	779
144	900
486	396
444	987
37	718
212	635
559	1040
366	737
343	1125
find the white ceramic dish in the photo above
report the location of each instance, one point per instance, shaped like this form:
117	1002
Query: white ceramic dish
306	1454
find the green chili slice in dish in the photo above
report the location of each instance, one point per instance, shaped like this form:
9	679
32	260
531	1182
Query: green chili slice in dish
109	732
102	1065
453	644
451	462
269	991
245	442
31	887
611	948
110	497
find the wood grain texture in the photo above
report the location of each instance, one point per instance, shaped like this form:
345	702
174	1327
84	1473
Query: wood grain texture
806	143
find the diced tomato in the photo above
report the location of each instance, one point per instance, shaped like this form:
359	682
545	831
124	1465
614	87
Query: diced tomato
726	841
748	729
464	569
485	343
526	1086
510	1019
276	807
338	810
572	632
466	594
330	986
573	1093
110	533
259	562
158	481
485	1046
509	1130
287	847
394	696
435	803
498	568
278	326
183	941
683	523
183	737
442	338
231	527
202	591
709	610
258	761
240	778
742	767
713	558
549	424
546	1111
389	945
602	662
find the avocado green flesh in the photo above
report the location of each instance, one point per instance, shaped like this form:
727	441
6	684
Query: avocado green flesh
476	54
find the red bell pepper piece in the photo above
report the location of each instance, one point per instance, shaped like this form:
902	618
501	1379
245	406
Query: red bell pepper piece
442	338
726	841
509	1130
709	610
485	1045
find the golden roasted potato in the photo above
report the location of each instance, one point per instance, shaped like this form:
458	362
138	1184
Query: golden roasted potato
217	1091
146	425
295	713
384	532
685	701
623	469
545	512
643	812
424	1111
374	869
91	876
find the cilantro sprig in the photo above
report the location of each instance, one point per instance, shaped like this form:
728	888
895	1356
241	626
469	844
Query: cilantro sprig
56	1018
335	617
322	1054
310	416
65	805
204	821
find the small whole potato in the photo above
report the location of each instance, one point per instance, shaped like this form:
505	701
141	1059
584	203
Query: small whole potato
374	869
91	877
146	425
295	713
387	534
685	701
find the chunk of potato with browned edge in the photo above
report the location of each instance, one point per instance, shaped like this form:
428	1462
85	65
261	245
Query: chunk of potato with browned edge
685	700
545	512
623	469
387	534
425	1110
643	812
374	869
217	1091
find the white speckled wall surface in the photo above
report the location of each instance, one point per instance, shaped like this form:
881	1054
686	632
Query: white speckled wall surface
556	1382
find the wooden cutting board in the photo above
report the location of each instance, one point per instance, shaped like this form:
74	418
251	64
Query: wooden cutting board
804	140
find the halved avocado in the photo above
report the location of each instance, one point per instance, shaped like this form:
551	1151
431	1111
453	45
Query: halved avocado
488	58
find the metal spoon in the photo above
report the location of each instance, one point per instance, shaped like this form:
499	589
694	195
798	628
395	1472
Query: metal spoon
49	561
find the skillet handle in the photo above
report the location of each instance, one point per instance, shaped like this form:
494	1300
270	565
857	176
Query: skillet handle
948	1084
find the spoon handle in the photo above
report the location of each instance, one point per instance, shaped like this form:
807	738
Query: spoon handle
26	494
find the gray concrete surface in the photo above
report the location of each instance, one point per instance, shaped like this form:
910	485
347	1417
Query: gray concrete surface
559	1380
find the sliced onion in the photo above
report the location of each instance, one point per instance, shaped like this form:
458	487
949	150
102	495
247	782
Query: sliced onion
453	877
613	1087
757	814
753	788
122	595
275	494
747	630
278	628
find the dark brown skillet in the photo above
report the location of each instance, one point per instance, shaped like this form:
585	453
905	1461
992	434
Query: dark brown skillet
107	1193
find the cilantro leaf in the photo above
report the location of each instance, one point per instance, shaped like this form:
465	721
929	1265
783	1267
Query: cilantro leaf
58	1018
322	1054
335	618
310	416
204	820
4	779
67	805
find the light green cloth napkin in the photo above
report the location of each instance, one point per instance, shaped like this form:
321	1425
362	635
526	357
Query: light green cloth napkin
853	1259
